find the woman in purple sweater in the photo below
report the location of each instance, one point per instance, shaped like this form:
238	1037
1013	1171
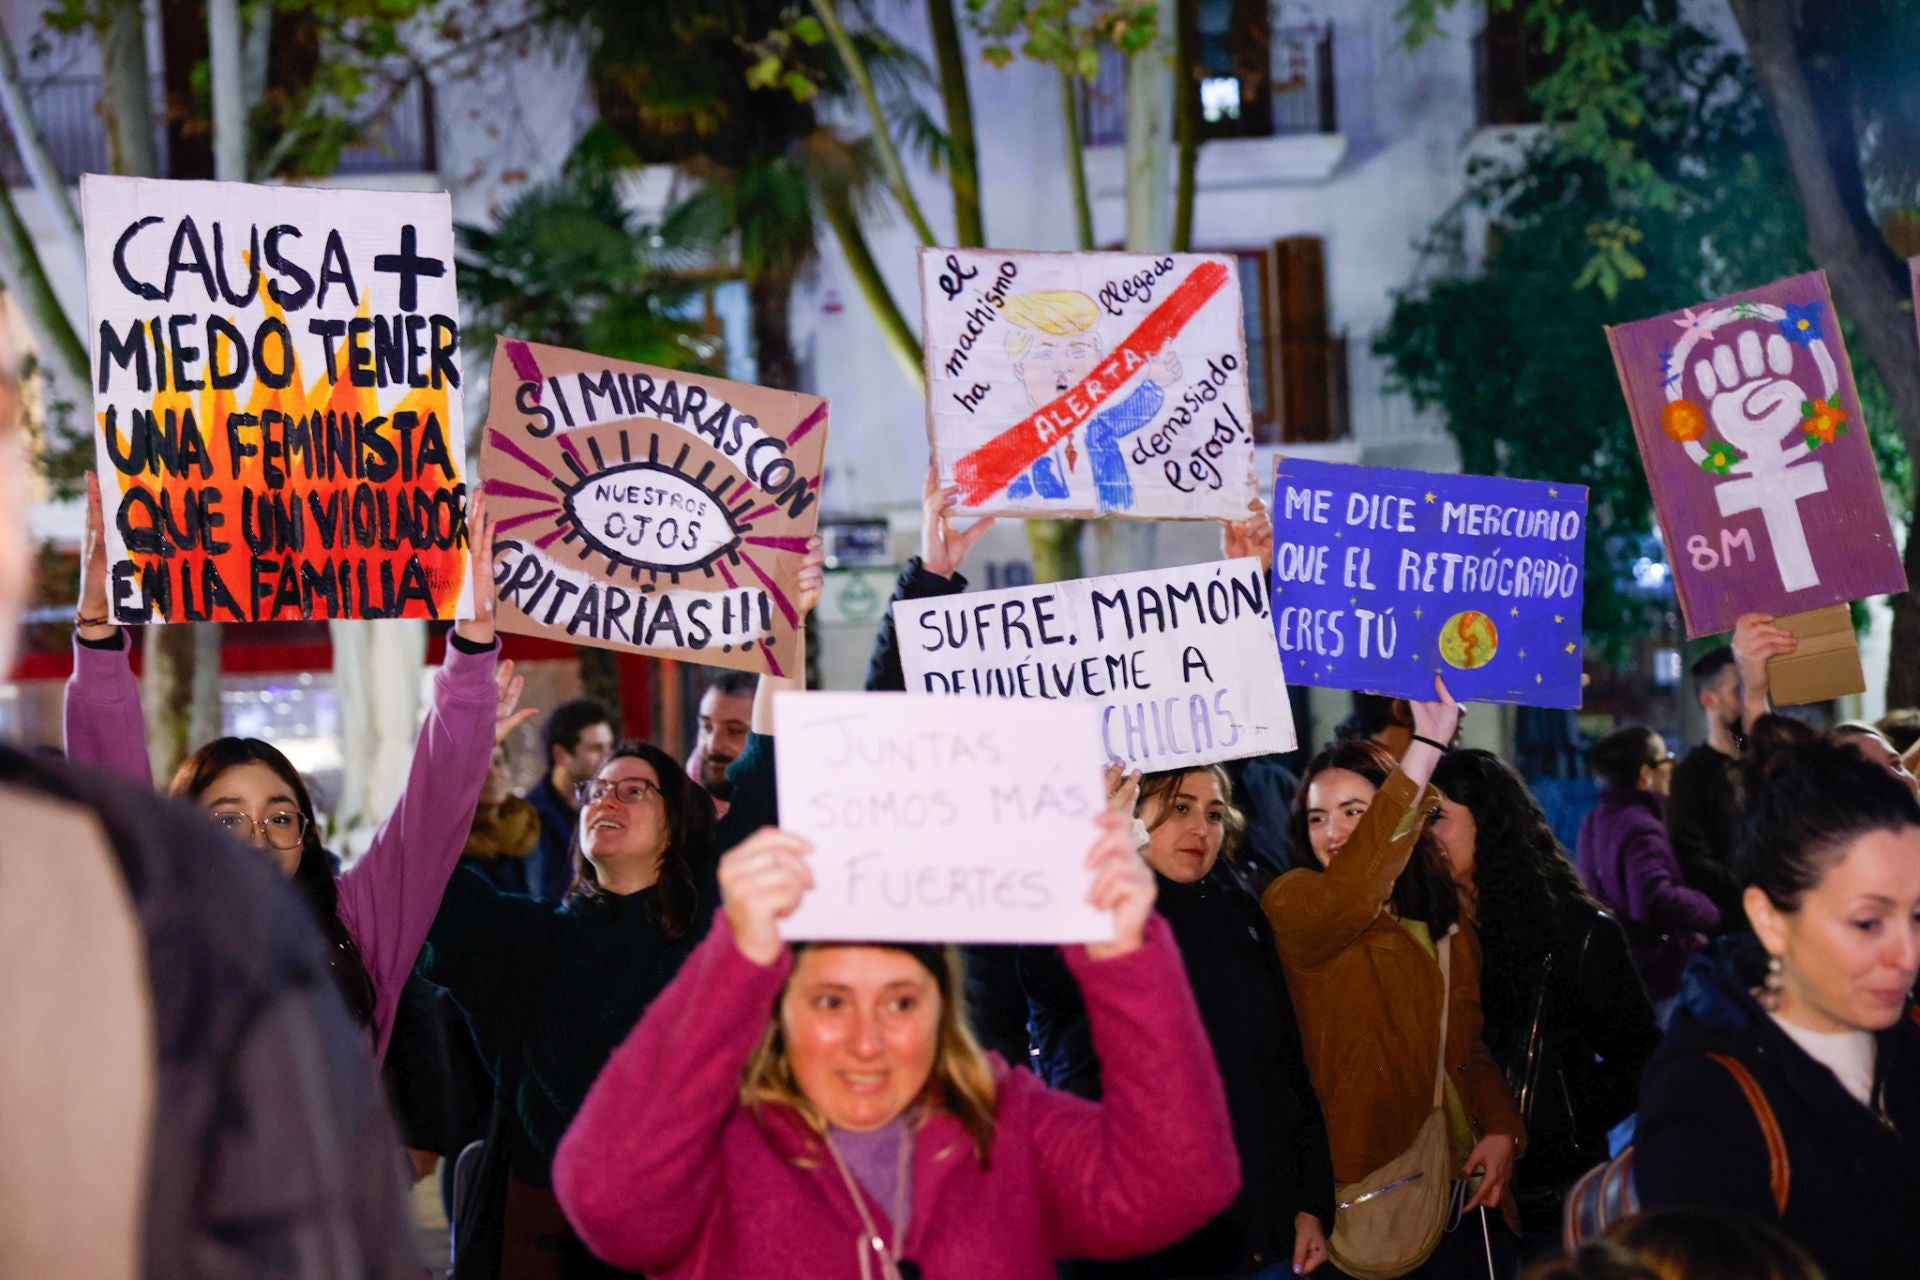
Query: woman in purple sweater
823	1110
1628	863
377	912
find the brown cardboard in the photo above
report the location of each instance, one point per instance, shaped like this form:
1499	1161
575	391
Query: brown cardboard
650	510
1827	663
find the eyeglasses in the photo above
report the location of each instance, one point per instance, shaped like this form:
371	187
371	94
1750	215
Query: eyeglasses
628	791
282	830
1664	762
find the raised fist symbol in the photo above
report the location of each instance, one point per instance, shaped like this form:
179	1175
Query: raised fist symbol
1753	402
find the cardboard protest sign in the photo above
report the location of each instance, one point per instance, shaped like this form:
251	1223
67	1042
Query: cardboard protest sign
277	397
1180	662
1763	479
1088	384
650	510
941	819
1384	578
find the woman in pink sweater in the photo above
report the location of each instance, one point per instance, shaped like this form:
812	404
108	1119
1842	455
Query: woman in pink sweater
823	1111
374	915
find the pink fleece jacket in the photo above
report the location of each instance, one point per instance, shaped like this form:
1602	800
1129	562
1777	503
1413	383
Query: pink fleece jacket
388	897
664	1171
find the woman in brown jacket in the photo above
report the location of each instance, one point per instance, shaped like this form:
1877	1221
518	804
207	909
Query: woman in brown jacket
1357	922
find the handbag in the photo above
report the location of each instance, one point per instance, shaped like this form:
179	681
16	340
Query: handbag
1391	1221
1606	1194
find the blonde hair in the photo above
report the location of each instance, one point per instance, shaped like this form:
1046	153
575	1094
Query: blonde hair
1056	312
960	1084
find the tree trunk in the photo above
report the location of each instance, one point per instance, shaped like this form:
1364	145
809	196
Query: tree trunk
179	691
126	98
837	204
963	171
1076	164
229	91
1149	133
57	343
895	173
37	160
772	297
1869	283
1186	118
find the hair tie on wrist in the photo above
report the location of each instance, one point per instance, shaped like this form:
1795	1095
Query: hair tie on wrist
79	620
1441	747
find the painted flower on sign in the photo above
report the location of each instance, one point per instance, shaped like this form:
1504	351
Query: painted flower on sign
1822	422
1683	421
1692	323
1802	323
1719	460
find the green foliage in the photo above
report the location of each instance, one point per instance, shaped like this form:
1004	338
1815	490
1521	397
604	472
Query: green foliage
1063	34
566	264
1512	350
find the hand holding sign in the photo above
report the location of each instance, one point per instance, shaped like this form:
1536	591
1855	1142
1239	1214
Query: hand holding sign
762	880
942	547
479	628
93	568
1122	884
1253	536
813	575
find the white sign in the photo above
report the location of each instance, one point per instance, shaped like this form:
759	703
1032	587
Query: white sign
1088	384
277	400
1181	662
941	819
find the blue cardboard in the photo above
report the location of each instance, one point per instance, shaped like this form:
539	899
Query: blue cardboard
1384	578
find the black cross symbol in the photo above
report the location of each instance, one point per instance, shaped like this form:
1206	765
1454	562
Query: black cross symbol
409	266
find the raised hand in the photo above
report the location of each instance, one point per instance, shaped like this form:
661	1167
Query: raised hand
942	547
479	628
1439	719
1252	536
1122	884
507	689
762	880
93	568
1123	789
813	575
1757	639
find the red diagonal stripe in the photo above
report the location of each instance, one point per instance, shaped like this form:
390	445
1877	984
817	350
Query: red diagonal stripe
992	466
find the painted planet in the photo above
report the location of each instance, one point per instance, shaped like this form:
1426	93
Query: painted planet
1468	640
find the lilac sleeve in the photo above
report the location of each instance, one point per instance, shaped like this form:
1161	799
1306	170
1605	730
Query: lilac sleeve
105	727
388	897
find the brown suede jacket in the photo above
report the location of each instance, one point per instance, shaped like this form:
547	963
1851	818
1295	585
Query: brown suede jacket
1368	997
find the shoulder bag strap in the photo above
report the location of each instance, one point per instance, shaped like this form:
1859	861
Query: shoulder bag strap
1444	954
1780	1174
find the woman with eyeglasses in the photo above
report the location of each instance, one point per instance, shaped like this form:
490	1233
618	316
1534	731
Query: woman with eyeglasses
375	913
550	990
1628	863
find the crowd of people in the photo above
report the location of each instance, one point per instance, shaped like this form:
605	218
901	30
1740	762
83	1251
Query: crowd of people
1370	1021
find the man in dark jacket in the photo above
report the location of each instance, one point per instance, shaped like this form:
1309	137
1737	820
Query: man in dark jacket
578	736
1703	814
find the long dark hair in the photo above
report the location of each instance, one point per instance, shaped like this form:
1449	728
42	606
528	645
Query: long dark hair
1522	878
313	877
1423	891
690	823
1806	802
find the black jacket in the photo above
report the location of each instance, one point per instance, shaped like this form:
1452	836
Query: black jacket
1573	1052
272	1152
1278	1131
1854	1187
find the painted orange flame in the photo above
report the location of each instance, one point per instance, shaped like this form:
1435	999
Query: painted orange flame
288	551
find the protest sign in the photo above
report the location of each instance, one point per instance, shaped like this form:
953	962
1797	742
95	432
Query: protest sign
1763	479
1180	662
941	819
276	387
650	510
1088	384
1384	578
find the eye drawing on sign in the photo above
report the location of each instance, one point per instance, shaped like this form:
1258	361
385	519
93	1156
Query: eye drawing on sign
1055	347
1755	400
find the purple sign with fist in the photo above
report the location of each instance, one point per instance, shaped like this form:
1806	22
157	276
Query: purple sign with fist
1762	475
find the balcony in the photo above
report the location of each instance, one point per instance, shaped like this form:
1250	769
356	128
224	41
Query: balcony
1263	83
399	139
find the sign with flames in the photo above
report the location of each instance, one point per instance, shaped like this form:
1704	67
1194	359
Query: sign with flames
276	388
650	510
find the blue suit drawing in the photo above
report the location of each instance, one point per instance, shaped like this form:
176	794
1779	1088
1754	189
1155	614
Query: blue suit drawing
1112	485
